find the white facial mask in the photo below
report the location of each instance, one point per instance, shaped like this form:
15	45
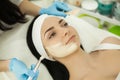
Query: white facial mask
59	50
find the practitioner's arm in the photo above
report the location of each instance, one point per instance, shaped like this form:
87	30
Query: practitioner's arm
4	65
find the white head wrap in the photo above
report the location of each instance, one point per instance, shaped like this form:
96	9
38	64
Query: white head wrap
36	35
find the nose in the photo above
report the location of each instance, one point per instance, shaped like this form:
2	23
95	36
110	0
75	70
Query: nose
66	32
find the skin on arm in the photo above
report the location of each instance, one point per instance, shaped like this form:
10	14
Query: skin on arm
29	8
4	65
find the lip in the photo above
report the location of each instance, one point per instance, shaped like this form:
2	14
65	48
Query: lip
70	39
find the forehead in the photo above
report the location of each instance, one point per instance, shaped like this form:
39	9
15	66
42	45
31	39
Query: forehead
49	22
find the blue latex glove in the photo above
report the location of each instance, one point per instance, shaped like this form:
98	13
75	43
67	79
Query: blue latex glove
57	8
21	71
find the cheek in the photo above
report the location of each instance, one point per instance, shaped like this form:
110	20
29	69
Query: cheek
51	41
77	36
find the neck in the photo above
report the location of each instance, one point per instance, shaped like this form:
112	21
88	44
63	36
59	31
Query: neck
78	64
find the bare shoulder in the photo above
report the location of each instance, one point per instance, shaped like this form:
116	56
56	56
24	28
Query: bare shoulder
111	39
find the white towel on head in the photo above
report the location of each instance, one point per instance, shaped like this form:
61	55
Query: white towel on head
36	35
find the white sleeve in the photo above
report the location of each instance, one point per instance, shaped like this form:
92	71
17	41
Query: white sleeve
17	2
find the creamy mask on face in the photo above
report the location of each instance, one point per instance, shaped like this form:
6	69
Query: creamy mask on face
59	50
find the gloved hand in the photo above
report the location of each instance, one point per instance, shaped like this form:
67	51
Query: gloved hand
21	71
57	8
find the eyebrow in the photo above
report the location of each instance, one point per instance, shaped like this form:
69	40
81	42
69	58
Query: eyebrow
49	29
53	26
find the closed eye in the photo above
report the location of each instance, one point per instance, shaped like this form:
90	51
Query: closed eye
63	23
53	34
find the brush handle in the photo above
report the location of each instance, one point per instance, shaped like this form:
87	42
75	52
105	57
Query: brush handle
36	67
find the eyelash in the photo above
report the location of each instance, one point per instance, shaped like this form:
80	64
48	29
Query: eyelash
52	35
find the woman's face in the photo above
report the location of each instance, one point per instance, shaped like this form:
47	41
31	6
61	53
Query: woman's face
59	39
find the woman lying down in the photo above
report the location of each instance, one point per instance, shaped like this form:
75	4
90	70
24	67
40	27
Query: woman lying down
56	40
